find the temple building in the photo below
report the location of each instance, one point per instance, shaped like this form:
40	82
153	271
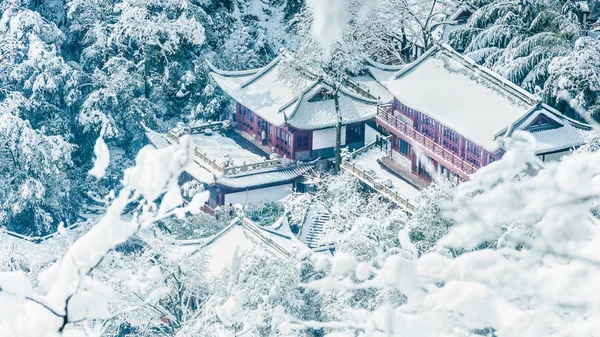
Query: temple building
292	113
232	174
448	113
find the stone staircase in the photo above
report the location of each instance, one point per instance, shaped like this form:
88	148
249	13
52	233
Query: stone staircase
315	229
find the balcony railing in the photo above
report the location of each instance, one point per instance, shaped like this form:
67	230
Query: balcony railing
378	186
428	145
213	166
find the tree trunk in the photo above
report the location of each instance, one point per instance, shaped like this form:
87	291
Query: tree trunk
338	132
405	48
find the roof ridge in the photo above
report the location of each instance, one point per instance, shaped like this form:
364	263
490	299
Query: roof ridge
382	66
414	63
231	72
255	229
354	95
567	118
491	75
271	169
297	99
262	71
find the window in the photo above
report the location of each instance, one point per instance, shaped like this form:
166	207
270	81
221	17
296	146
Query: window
403	147
405	110
473	155
302	142
473	149
450	139
428	126
322	95
491	158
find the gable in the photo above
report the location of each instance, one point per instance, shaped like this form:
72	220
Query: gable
541	123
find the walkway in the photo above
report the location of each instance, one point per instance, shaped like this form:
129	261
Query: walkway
246	141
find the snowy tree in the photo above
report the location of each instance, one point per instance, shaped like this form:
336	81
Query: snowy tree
576	76
74	297
36	88
519	39
401	25
165	286
432	218
524	288
36	191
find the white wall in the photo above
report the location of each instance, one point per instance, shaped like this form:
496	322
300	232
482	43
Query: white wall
401	160
273	193
326	138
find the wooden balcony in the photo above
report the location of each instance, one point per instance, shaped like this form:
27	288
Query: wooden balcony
431	148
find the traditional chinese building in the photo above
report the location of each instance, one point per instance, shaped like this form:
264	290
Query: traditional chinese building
448	113
292	113
233	182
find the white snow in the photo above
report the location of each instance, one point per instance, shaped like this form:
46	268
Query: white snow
218	147
102	158
200	173
272	193
370	135
221	248
371	85
329	21
459	97
368	161
318	114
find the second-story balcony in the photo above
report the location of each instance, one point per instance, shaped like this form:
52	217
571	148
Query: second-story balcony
431	148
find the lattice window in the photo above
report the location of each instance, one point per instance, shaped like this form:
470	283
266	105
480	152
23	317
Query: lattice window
428	126
450	140
473	154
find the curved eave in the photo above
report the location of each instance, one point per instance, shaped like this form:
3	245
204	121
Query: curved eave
235	73
382	66
252	180
262	71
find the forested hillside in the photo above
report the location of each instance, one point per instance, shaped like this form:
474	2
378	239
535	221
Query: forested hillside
70	68
541	45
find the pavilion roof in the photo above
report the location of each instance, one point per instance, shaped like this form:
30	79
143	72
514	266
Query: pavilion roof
246	236
267	176
286	97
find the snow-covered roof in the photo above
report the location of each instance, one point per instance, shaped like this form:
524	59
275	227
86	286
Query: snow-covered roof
383	73
460	94
374	88
246	236
281	96
309	113
196	170
266	176
561	138
568	134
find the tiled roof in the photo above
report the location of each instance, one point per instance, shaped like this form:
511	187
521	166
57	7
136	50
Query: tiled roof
283	97
564	137
258	178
